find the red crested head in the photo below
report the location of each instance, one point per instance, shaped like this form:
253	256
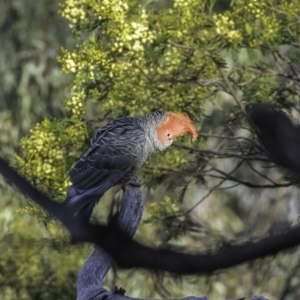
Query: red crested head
176	124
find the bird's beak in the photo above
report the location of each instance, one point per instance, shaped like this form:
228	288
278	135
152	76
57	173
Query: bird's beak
194	136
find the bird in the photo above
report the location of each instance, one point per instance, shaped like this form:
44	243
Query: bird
117	151
278	134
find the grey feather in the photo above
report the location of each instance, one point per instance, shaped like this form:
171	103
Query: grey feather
118	149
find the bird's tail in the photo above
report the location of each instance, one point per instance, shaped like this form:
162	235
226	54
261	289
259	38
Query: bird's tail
81	203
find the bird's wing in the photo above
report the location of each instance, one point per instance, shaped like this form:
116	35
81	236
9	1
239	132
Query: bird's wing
116	150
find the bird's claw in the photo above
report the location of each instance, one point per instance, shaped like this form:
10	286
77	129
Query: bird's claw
119	291
133	183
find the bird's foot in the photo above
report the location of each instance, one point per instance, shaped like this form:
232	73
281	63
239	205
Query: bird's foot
134	183
131	179
119	291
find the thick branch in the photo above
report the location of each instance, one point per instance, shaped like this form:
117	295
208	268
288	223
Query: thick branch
92	273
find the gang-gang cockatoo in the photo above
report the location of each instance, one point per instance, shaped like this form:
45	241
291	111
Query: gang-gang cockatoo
118	149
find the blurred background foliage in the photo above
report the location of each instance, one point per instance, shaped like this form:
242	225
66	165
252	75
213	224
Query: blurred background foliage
205	58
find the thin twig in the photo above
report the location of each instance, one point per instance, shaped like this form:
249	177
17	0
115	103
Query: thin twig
213	189
250	184
221	154
249	164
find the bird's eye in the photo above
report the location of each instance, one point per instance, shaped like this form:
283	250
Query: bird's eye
168	134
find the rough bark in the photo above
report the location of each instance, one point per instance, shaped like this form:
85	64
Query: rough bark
92	273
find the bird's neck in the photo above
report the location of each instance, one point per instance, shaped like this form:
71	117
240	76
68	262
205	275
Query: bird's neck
150	123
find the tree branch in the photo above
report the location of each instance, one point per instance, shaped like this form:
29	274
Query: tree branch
92	273
133	254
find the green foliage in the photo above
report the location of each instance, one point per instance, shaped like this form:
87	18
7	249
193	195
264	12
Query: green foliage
47	154
129	58
159	211
134	55
38	265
